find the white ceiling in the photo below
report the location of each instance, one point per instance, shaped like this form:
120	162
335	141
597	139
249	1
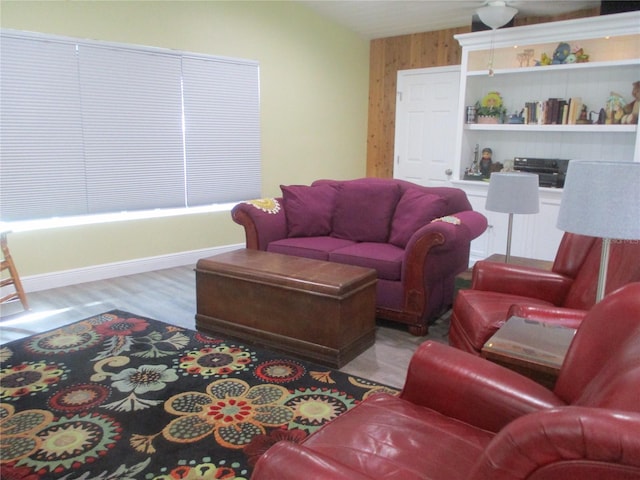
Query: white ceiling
388	18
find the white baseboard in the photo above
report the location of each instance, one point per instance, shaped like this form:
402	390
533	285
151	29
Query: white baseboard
46	281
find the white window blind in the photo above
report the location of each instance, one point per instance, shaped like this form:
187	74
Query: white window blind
89	127
132	122
42	166
222	130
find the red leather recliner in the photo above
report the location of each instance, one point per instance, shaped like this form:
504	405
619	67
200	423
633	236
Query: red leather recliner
562	295
462	417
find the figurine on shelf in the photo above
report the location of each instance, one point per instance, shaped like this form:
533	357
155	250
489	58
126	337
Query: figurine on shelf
615	108
561	53
631	110
602	117
581	57
491	108
508	166
475	164
485	162
473	172
583	119
516	118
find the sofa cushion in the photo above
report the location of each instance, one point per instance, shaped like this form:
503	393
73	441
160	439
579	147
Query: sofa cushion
317	248
363	211
308	209
415	209
385	258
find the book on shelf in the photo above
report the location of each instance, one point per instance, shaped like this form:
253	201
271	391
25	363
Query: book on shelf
540	113
553	111
575	107
554	107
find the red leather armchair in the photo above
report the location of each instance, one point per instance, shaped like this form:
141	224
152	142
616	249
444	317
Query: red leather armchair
562	295
461	417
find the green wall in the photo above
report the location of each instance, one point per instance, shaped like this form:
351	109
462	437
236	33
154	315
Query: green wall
313	81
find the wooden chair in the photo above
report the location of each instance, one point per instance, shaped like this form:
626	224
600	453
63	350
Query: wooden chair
13	278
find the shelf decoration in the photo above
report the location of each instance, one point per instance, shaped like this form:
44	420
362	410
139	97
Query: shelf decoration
524	58
490	109
632	109
614	108
564	53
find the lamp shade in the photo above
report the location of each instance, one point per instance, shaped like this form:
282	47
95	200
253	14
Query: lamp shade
496	14
513	192
601	199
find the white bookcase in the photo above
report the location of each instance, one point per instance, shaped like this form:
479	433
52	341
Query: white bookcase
613	45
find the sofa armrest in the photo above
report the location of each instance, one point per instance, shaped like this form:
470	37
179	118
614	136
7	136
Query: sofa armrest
470	388
568	442
435	251
264	221
475	222
287	460
520	280
447	234
562	316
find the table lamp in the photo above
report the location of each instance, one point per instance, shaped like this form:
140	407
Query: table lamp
601	199
511	193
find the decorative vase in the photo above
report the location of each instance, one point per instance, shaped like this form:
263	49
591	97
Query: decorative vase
486	119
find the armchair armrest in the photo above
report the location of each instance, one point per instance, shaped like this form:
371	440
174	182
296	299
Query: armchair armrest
263	220
287	460
565	317
567	442
471	389
520	280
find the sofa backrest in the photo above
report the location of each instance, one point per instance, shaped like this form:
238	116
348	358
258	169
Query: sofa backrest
456	198
401	207
602	365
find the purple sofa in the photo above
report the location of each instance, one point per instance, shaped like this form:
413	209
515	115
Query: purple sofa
416	238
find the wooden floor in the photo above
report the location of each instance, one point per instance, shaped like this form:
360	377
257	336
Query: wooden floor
169	295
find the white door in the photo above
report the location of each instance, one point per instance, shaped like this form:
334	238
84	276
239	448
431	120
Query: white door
426	117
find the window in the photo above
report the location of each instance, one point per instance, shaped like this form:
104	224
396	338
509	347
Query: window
91	127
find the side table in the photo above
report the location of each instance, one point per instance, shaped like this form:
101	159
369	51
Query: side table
532	348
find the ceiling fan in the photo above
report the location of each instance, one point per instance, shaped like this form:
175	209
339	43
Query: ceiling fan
496	13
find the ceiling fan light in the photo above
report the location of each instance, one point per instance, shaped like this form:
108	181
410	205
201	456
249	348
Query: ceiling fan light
496	14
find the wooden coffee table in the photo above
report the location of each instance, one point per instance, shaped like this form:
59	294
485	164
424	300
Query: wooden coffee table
316	310
535	349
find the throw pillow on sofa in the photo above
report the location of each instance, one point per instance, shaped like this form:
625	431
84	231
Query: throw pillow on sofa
363	211
308	209
415	209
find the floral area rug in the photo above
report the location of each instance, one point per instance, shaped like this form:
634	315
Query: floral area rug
119	396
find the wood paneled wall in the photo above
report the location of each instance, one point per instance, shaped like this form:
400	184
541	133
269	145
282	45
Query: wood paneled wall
420	50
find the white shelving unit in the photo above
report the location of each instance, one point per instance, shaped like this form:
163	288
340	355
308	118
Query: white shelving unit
613	45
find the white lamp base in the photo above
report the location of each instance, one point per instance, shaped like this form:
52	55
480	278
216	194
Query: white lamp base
602	274
508	255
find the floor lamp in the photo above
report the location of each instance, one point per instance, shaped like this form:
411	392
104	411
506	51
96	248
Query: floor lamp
511	193
602	199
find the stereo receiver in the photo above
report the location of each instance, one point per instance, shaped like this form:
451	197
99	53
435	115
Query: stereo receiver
551	171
